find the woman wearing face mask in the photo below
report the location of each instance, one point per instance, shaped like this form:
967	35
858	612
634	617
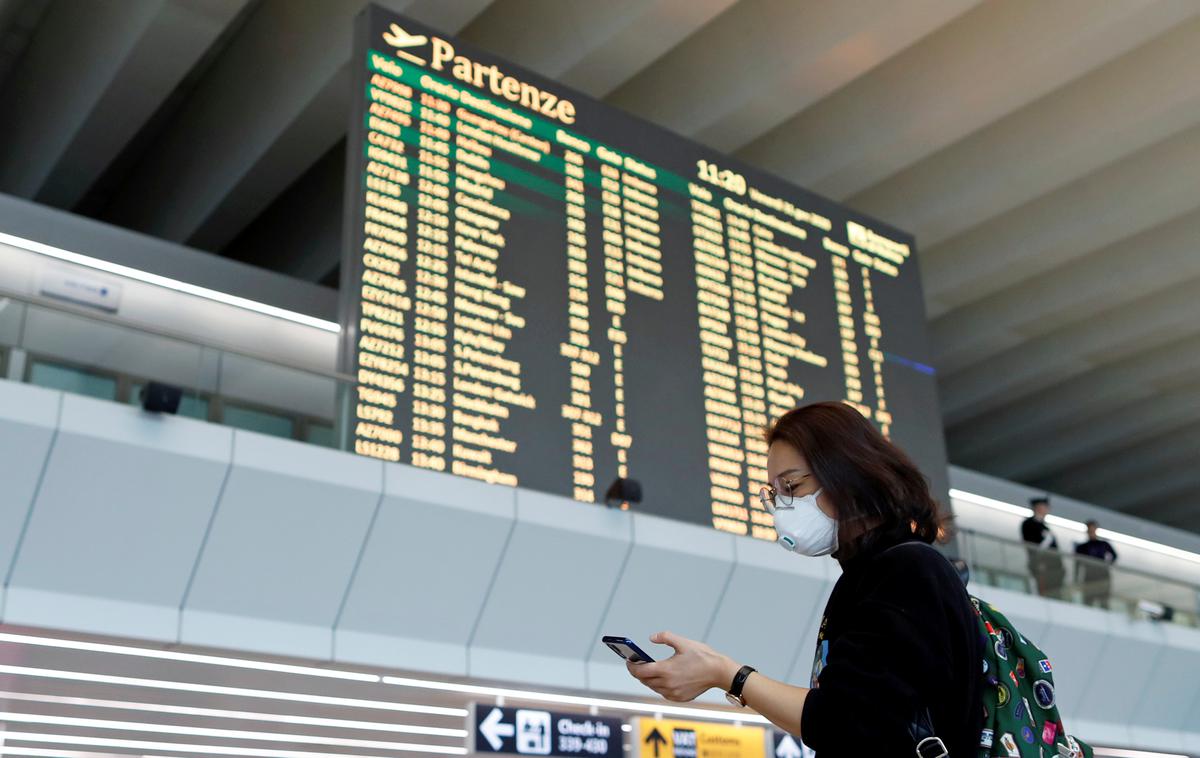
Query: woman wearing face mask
898	653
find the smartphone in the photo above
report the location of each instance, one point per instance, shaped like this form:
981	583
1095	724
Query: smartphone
627	649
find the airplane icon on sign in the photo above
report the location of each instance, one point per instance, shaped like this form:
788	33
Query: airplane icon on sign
397	37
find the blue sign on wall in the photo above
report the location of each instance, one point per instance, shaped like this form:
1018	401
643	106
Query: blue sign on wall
529	731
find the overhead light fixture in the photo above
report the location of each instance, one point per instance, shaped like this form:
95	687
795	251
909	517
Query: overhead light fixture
163	281
531	695
40	752
180	747
173	655
230	715
1066	523
215	689
988	502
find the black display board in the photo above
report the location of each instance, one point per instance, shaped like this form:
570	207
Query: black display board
543	291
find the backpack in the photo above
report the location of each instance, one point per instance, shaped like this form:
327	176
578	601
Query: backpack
1020	712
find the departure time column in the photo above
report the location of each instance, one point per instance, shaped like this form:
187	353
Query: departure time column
583	359
430	331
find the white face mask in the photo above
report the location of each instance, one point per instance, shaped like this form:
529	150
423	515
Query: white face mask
804	528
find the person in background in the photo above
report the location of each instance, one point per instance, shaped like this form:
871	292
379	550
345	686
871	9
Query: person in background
1093	576
1044	563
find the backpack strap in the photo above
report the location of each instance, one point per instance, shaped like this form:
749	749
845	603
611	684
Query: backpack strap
927	743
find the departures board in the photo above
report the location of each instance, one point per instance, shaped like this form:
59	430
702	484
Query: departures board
539	290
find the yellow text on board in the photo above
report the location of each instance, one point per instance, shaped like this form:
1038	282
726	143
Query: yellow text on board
698	739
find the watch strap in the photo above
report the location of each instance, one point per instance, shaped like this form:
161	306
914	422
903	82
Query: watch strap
739	680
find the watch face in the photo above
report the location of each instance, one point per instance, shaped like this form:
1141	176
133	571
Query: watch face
735	700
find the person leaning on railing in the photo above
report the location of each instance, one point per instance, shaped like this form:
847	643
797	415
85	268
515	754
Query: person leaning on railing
1044	562
1093	576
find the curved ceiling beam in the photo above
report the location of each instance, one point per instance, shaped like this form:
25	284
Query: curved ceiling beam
762	61
1096	476
978	68
1099	392
591	46
1136	193
241	139
93	75
1070	352
1082	288
1123	106
1139	423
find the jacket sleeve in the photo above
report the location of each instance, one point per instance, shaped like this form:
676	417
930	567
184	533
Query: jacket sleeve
868	689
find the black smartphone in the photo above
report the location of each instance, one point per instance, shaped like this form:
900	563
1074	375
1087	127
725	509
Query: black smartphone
627	649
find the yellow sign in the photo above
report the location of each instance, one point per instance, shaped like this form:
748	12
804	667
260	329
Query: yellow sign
698	739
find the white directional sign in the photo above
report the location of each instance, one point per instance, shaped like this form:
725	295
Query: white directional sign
531	731
494	730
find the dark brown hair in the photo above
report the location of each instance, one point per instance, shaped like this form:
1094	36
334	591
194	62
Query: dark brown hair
869	479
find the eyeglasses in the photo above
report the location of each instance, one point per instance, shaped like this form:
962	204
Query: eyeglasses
780	493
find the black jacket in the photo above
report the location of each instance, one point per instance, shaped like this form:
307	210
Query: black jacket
1035	532
901	634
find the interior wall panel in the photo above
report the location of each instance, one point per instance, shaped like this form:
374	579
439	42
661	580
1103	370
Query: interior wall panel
558	573
28	422
673	580
118	520
425	571
281	548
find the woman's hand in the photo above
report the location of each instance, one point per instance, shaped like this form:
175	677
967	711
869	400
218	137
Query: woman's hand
693	669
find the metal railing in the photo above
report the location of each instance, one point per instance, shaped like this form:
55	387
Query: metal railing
1079	579
83	351
80	350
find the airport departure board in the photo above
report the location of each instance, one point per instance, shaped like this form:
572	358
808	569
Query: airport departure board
543	291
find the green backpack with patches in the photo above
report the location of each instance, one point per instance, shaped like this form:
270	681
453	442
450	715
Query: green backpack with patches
1020	711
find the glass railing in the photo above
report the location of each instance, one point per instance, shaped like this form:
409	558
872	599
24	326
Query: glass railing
78	350
81	351
1025	568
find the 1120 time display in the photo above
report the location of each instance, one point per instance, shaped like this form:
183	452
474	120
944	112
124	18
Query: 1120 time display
726	179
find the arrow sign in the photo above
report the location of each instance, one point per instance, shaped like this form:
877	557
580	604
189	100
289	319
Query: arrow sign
656	739
534	733
494	731
788	748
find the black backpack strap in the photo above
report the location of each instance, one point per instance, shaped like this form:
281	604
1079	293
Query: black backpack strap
927	745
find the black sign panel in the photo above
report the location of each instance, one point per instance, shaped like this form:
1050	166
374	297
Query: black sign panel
784	745
529	731
541	290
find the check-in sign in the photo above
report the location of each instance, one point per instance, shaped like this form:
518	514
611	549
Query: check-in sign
661	738
531	731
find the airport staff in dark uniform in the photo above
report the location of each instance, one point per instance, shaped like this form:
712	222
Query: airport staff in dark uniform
899	647
1095	580
1045	564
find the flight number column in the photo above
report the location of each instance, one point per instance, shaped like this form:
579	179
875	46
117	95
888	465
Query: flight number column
382	368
